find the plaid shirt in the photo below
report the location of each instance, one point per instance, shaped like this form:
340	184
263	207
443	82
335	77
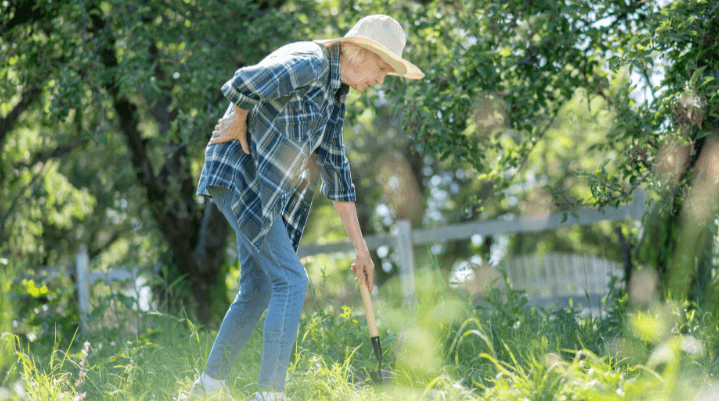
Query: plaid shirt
293	96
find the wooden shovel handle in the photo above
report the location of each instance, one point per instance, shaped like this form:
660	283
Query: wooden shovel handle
367	301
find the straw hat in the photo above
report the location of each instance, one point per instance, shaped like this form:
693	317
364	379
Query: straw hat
384	36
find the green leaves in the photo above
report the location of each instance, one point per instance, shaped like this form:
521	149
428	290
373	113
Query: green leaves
535	69
696	75
707	79
702	134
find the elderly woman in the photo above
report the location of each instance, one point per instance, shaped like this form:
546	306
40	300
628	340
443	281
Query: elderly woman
280	134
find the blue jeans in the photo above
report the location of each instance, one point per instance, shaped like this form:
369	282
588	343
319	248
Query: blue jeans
272	279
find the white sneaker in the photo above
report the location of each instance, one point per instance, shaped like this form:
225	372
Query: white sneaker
271	396
202	390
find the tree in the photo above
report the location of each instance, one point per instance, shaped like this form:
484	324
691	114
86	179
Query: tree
146	74
533	57
676	145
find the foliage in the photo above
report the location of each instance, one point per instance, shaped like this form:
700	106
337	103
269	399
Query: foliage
507	78
6	313
500	74
41	311
677	132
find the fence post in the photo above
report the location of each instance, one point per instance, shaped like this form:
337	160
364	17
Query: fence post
406	259
640	198
83	290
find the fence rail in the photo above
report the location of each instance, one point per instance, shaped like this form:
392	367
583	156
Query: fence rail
403	237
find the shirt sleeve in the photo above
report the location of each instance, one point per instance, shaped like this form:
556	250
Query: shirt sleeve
335	172
271	78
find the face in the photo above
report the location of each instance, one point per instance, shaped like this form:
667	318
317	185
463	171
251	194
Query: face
370	71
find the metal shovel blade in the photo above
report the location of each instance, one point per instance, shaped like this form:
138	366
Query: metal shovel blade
377	346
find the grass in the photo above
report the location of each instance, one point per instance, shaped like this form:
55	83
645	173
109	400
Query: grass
442	348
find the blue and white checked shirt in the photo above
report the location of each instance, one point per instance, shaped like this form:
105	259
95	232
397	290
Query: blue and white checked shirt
294	96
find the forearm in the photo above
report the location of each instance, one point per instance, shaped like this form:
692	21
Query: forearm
348	214
269	79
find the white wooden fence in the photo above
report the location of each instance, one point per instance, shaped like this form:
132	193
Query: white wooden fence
85	279
555	278
558	274
549	280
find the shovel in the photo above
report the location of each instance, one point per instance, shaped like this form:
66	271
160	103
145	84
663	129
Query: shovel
374	336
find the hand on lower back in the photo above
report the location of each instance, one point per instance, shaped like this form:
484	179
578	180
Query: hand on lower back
230	128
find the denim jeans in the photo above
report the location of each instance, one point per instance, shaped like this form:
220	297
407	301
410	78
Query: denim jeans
272	279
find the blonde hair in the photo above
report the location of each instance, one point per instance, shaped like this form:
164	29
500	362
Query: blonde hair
354	54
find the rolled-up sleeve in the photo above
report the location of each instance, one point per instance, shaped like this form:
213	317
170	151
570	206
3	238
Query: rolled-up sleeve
335	173
271	78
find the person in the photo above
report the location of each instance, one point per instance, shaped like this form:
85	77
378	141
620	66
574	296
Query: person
281	133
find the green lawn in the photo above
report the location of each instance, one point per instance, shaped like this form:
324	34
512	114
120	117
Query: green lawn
442	349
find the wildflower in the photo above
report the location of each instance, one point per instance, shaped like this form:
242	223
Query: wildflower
83	362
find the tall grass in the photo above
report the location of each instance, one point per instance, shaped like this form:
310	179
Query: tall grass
440	348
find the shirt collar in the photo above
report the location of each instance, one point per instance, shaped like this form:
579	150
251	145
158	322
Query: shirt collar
333	55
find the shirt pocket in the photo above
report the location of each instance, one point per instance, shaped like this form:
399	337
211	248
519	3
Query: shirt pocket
298	119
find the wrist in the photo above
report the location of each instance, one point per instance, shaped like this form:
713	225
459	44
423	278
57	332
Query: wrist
239	110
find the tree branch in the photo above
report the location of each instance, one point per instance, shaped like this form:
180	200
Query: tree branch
126	117
7	123
26	12
95	251
42	157
19	195
539	137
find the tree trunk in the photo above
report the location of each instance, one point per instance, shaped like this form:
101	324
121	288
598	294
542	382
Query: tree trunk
659	246
177	217
625	246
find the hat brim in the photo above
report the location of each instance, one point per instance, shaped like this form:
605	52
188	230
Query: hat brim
402	67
